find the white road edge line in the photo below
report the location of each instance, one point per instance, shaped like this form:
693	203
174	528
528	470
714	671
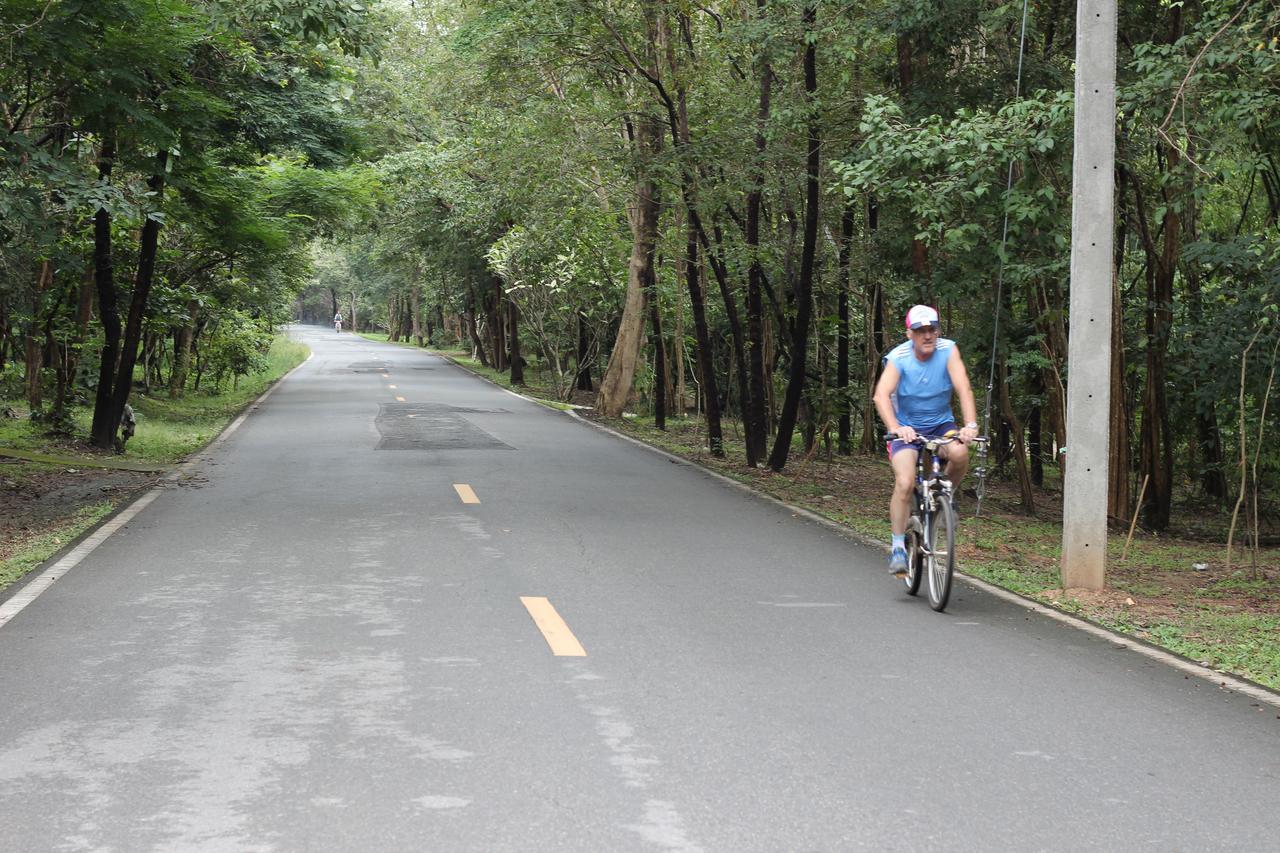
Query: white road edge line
34	588
1218	678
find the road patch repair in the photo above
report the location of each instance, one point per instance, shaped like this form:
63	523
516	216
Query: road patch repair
432	426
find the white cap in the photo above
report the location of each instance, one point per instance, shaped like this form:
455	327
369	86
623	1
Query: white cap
921	315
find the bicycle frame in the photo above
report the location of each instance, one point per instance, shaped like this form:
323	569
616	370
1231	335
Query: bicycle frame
924	494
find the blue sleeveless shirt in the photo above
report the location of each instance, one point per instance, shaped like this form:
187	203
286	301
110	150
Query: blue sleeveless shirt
923	397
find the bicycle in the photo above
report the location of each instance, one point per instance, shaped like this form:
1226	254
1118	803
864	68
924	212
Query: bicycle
931	530
337	326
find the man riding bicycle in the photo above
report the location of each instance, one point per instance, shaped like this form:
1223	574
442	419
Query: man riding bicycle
337	322
913	399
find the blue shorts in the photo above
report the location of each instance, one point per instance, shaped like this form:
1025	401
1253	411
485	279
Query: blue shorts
932	432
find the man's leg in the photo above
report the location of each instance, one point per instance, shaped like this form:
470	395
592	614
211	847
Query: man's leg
957	462
904	477
904	481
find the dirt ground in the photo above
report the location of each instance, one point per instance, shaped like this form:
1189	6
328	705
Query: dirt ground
37	498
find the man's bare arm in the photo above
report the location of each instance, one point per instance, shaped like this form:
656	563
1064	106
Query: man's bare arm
960	382
883	397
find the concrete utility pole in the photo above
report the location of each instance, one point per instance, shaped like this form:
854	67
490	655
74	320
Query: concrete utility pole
1084	511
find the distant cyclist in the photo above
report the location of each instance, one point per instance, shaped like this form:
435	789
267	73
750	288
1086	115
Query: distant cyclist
913	399
337	322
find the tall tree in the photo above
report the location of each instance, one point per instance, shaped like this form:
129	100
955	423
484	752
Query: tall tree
804	285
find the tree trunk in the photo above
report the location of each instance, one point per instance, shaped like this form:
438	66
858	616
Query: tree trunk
476	341
1157	440
615	386
842	330
4	334
497	328
393	317
678	119
1213	477
873	337
1027	493
583	380
69	352
659	355
148	246
702	339
735	329
1119	454
34	347
804	286
182	351
681	391
103	431
415	315
755	418
668	380
1157	450
181	361
149	360
1034	446
517	361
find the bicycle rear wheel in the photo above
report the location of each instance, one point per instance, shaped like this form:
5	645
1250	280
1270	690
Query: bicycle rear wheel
940	542
915	556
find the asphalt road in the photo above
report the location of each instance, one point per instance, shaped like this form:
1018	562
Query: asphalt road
318	645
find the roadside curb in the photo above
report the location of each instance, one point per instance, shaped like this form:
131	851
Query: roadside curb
18	595
1224	681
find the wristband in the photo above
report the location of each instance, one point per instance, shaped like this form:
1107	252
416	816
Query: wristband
971	425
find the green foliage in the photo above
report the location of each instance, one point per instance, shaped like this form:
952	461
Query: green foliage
414	165
237	347
246	106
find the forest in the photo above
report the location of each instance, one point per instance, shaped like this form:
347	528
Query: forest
710	210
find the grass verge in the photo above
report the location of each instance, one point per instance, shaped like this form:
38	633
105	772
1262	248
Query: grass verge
41	547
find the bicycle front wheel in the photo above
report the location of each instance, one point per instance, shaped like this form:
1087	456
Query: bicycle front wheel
940	540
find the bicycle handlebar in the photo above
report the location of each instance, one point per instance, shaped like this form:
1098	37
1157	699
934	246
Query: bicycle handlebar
945	439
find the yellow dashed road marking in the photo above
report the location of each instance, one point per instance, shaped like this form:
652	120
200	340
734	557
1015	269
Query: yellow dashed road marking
391	387
554	630
399	399
465	492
